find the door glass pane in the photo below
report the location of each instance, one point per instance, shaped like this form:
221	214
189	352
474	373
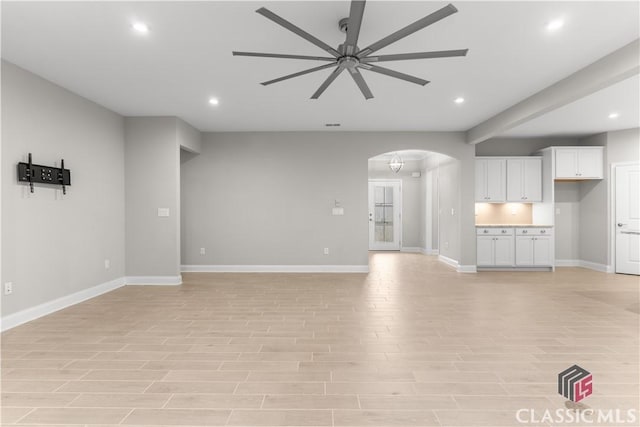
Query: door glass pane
379	195
388	233
383	213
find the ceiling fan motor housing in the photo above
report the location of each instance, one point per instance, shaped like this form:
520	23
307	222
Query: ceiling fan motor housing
343	24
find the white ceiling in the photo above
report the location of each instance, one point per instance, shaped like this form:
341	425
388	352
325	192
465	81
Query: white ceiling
89	48
589	115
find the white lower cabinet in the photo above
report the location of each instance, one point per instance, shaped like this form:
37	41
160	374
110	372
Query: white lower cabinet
514	247
534	247
494	247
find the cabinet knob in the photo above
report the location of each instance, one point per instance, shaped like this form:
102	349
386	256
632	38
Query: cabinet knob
524	231
485	231
504	231
543	231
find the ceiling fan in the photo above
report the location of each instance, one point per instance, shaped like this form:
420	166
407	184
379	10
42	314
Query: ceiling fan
348	56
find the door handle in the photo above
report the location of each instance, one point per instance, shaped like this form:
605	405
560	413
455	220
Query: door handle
621	224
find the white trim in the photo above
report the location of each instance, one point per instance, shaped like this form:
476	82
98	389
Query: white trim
584	264
467	269
153	280
431	251
595	266
412	249
449	261
567	263
33	313
276	268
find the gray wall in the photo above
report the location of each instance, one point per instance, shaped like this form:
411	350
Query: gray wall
152	172
413	200
266	197
594	211
519	146
567	220
596	197
449	210
81	229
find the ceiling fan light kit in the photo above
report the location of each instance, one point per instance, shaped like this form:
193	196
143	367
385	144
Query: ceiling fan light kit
353	59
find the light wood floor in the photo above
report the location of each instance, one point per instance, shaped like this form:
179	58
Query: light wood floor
412	343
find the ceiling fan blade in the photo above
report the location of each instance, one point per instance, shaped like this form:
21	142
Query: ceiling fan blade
409	29
280	55
353	25
299	73
335	73
393	73
357	77
289	26
416	55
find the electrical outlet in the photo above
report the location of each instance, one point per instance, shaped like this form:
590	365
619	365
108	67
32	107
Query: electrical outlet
203	251
107	264
326	251
8	288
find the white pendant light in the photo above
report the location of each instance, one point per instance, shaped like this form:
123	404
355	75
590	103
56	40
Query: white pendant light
396	163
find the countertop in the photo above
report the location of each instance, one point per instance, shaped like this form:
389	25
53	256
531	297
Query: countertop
513	225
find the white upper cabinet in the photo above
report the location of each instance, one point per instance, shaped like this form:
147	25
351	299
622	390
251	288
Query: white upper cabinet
578	163
490	180
524	180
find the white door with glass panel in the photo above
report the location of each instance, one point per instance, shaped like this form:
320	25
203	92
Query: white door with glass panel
384	215
627	219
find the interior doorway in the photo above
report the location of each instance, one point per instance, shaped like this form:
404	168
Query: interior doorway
385	215
627	219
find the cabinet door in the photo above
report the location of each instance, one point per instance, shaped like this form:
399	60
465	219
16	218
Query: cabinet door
524	250
542	251
496	180
515	180
532	182
503	251
590	162
484	250
566	163
481	180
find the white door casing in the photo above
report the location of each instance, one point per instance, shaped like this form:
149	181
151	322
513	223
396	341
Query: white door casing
385	215
627	219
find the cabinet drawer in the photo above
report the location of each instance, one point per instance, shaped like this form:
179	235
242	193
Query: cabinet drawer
491	231
534	231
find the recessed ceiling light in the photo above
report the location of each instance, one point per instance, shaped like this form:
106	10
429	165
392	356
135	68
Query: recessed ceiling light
459	100
141	27
554	25
214	101
614	115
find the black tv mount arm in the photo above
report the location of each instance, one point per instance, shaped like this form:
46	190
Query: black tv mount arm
30	173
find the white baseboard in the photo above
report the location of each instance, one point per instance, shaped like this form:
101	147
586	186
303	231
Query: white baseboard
455	264
567	263
467	269
431	252
449	261
276	268
412	249
29	314
153	280
584	264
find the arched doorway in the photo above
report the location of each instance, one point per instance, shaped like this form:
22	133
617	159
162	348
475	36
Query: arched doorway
405	199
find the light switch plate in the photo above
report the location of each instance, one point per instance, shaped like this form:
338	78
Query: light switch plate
163	211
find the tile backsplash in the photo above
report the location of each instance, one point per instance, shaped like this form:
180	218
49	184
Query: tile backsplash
504	213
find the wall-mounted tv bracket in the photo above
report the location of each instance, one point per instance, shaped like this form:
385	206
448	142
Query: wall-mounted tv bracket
28	172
